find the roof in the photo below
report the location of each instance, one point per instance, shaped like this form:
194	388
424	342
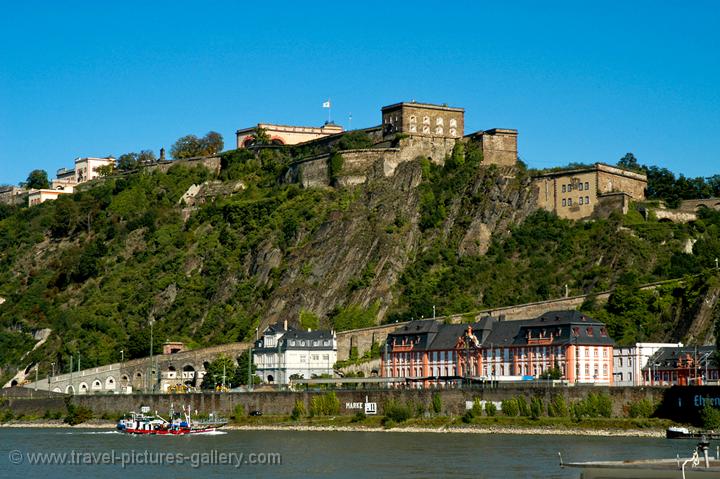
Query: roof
553	328
422	105
669	357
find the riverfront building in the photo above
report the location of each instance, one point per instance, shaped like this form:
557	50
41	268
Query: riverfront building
681	366
629	362
284	353
429	353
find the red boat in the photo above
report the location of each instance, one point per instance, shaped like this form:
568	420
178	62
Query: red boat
178	424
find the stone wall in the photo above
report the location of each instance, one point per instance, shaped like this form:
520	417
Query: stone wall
12	195
613	180
282	402
212	163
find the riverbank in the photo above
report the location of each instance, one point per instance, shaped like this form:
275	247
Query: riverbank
333	425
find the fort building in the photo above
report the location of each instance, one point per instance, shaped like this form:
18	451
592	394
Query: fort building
424	119
589	192
286	134
86	168
499	146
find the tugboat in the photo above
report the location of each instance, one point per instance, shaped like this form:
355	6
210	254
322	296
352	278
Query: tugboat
180	424
699	466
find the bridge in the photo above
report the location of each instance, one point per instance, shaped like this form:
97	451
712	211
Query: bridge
164	371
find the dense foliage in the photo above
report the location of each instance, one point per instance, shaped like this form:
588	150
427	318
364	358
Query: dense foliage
98	266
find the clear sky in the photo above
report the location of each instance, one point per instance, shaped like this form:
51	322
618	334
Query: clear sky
581	81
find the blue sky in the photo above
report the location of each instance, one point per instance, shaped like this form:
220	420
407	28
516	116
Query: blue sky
581	81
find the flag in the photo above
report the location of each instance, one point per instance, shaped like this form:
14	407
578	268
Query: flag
326	104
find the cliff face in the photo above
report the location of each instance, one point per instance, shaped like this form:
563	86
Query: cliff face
359	254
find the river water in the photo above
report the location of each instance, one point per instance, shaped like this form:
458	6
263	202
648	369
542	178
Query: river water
84	453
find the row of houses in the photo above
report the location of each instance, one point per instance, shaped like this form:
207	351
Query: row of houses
565	345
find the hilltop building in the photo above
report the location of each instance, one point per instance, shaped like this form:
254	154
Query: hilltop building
429	353
589	192
424	119
284	353
286	134
67	179
13	195
35	197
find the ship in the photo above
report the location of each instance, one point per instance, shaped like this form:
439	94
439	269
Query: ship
178	424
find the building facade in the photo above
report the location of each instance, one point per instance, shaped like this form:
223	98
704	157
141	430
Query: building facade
86	168
35	197
429	353
681	366
629	362
286	134
423	119
284	353
581	193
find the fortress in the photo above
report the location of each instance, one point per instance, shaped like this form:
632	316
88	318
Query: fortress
410	130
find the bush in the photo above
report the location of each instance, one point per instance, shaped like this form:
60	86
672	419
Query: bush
523	408
641	408
77	414
536	407
396	412
436	403
510	407
239	412
325	405
557	407
359	417
595	405
710	417
298	410
490	408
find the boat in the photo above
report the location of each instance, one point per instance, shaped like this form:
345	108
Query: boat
179	424
698	466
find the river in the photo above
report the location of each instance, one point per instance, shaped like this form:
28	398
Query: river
107	454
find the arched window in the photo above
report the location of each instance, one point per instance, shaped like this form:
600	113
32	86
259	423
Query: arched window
438	130
426	129
453	123
413	119
426	120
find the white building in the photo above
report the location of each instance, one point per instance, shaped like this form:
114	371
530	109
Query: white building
284	352
86	168
629	362
35	197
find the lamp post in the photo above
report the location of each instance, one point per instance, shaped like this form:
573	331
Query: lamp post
53	371
71	371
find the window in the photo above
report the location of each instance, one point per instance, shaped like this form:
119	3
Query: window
426	120
587	200
620	362
581	200
303	359
316	343
453	122
569	201
580	186
563	188
302	343
438	130
326	357
453	132
587	186
413	119
315	357
564	202
426	129
413	128
326	342
292	342
439	121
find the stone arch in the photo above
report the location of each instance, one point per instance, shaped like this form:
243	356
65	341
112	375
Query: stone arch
717	206
57	390
665	220
83	389
96	385
70	389
276	140
270	378
189	374
13	383
110	383
248	142
124	380
701	207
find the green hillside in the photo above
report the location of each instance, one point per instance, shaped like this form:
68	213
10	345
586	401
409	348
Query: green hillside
97	266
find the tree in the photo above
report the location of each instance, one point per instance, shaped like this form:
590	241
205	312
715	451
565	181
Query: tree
629	162
146	156
259	137
222	370
127	162
241	373
212	143
37	179
190	146
105	170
